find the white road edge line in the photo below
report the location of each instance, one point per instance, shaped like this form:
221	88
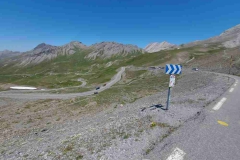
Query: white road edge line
219	104
231	90
177	154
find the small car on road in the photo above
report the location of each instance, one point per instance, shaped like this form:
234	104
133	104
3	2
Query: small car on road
97	88
195	69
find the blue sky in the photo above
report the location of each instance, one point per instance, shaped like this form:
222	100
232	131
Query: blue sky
26	23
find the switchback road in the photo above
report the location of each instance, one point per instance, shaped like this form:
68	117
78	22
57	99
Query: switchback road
21	95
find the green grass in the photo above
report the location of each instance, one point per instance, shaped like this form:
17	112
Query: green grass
135	85
203	54
49	81
150	58
56	73
79	157
126	136
64	70
122	93
134	74
68	148
148	151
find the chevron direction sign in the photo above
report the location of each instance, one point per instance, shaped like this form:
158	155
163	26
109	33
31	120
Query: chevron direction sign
173	69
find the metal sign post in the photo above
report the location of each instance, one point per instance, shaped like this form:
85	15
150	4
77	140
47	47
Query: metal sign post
171	84
168	99
172	69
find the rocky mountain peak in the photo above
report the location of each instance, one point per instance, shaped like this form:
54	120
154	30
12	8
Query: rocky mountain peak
76	44
108	49
42	48
232	30
41	45
230	38
156	46
45	51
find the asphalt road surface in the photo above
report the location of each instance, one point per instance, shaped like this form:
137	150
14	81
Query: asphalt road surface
213	135
22	95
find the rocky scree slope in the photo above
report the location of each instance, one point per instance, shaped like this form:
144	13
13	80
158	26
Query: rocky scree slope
46	52
103	50
155	47
109	49
229	39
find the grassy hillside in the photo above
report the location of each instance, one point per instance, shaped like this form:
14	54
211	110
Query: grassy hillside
64	71
219	60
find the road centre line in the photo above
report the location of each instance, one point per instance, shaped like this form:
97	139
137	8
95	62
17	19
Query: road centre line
219	104
177	154
231	90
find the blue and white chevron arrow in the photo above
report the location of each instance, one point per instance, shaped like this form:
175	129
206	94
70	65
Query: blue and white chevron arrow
173	69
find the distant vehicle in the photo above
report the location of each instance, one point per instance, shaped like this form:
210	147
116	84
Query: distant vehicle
97	88
195	69
95	92
105	84
152	67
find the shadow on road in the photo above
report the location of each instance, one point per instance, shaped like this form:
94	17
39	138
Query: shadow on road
155	106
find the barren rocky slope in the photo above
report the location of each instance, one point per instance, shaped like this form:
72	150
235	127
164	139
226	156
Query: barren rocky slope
108	49
47	52
103	50
223	61
155	47
229	39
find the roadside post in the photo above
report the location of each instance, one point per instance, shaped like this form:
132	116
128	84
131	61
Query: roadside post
172	69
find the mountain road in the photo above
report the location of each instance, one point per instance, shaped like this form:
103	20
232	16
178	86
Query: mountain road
213	135
21	95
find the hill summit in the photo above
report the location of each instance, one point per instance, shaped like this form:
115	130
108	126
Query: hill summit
156	46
